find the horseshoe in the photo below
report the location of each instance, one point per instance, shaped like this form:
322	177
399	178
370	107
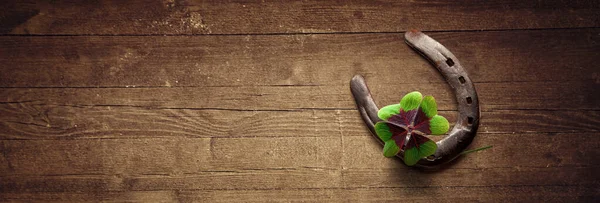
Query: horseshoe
448	65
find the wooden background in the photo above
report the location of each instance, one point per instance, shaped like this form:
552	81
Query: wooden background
151	100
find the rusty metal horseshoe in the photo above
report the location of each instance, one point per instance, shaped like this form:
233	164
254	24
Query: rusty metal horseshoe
459	138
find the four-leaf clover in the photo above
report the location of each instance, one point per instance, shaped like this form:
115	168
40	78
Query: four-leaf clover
405	125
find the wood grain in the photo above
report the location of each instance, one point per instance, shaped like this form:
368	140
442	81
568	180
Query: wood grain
115	196
573	95
236	101
453	194
170	156
168	161
142	17
311	179
187	156
60	122
449	194
551	150
329	59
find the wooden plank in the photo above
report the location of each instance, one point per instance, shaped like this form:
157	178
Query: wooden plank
328	59
77	183
443	194
132	122
129	196
450	194
170	156
153	158
473	177
516	151
216	17
573	95
307	179
78	151
24	121
221	180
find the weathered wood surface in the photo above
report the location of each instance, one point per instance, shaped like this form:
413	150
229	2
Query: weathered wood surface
443	194
97	105
141	17
317	59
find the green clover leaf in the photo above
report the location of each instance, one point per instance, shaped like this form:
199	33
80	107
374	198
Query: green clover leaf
406	124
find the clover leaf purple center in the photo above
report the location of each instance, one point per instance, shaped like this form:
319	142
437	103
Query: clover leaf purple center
405	126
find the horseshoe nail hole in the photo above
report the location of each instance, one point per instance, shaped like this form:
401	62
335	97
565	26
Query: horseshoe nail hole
462	80
469	100
470	120
450	62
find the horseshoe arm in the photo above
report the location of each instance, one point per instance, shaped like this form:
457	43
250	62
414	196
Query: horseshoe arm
449	66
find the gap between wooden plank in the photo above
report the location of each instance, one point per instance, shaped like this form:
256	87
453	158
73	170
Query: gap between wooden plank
299	33
450	193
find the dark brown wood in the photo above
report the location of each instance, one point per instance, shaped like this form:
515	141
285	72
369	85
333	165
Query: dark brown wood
249	101
180	156
571	95
55	122
451	194
259	60
257	17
